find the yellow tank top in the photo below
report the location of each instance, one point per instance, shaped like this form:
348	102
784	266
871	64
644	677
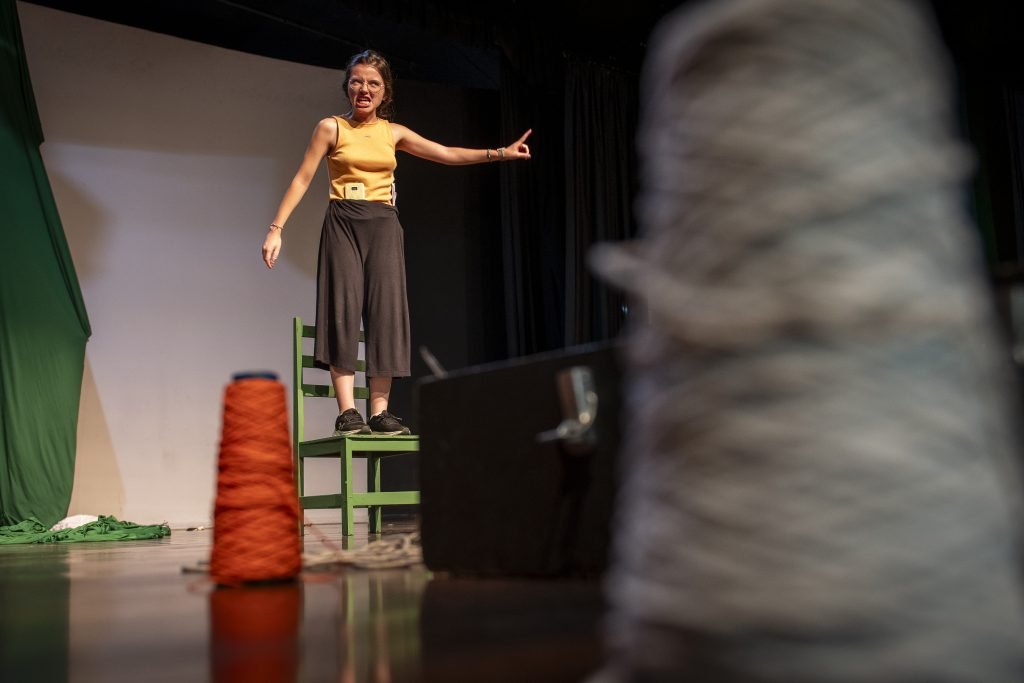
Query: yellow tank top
366	155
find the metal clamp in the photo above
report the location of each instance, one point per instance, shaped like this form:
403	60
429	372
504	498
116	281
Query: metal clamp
579	411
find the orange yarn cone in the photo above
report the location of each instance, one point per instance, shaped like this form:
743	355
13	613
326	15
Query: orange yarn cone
256	514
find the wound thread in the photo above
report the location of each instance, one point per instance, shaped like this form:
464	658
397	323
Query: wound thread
256	513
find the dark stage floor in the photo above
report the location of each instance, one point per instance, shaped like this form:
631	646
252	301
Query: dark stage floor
124	611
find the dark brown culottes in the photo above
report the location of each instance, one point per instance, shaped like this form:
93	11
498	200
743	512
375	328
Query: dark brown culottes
361	278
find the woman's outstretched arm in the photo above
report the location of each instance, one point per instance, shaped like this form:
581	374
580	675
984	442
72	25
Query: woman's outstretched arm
417	145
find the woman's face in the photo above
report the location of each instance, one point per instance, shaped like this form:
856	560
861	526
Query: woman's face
366	90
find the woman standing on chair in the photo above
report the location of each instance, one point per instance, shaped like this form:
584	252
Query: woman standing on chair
361	266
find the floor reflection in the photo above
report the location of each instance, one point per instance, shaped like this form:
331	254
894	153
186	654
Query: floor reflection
275	633
254	633
34	614
379	626
126	612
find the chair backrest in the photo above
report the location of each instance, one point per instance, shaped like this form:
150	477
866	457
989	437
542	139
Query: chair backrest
301	389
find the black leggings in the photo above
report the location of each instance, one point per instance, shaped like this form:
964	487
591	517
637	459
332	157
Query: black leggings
361	277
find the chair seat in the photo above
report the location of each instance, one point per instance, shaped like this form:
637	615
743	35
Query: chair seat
328	446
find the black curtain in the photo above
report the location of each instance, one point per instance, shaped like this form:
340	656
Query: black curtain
983	39
600	171
993	118
576	191
533	202
1013	108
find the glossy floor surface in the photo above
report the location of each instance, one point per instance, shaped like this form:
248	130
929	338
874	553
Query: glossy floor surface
125	611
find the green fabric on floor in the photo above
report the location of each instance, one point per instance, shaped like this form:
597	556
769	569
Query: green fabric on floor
106	528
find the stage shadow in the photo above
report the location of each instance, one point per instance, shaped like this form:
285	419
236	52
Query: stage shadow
98	486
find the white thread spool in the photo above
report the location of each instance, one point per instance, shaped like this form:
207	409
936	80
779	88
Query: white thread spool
820	472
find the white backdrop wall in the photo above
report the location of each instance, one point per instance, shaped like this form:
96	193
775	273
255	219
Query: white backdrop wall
167	159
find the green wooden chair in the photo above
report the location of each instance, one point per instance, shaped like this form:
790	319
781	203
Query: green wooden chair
374	449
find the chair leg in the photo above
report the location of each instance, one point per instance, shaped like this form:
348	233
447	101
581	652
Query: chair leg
347	512
373	485
299	488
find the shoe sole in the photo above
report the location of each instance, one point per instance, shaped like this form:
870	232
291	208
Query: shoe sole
400	432
351	432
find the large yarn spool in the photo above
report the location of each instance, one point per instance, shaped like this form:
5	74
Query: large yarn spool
820	480
256	514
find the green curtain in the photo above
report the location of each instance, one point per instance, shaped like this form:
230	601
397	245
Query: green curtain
43	323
